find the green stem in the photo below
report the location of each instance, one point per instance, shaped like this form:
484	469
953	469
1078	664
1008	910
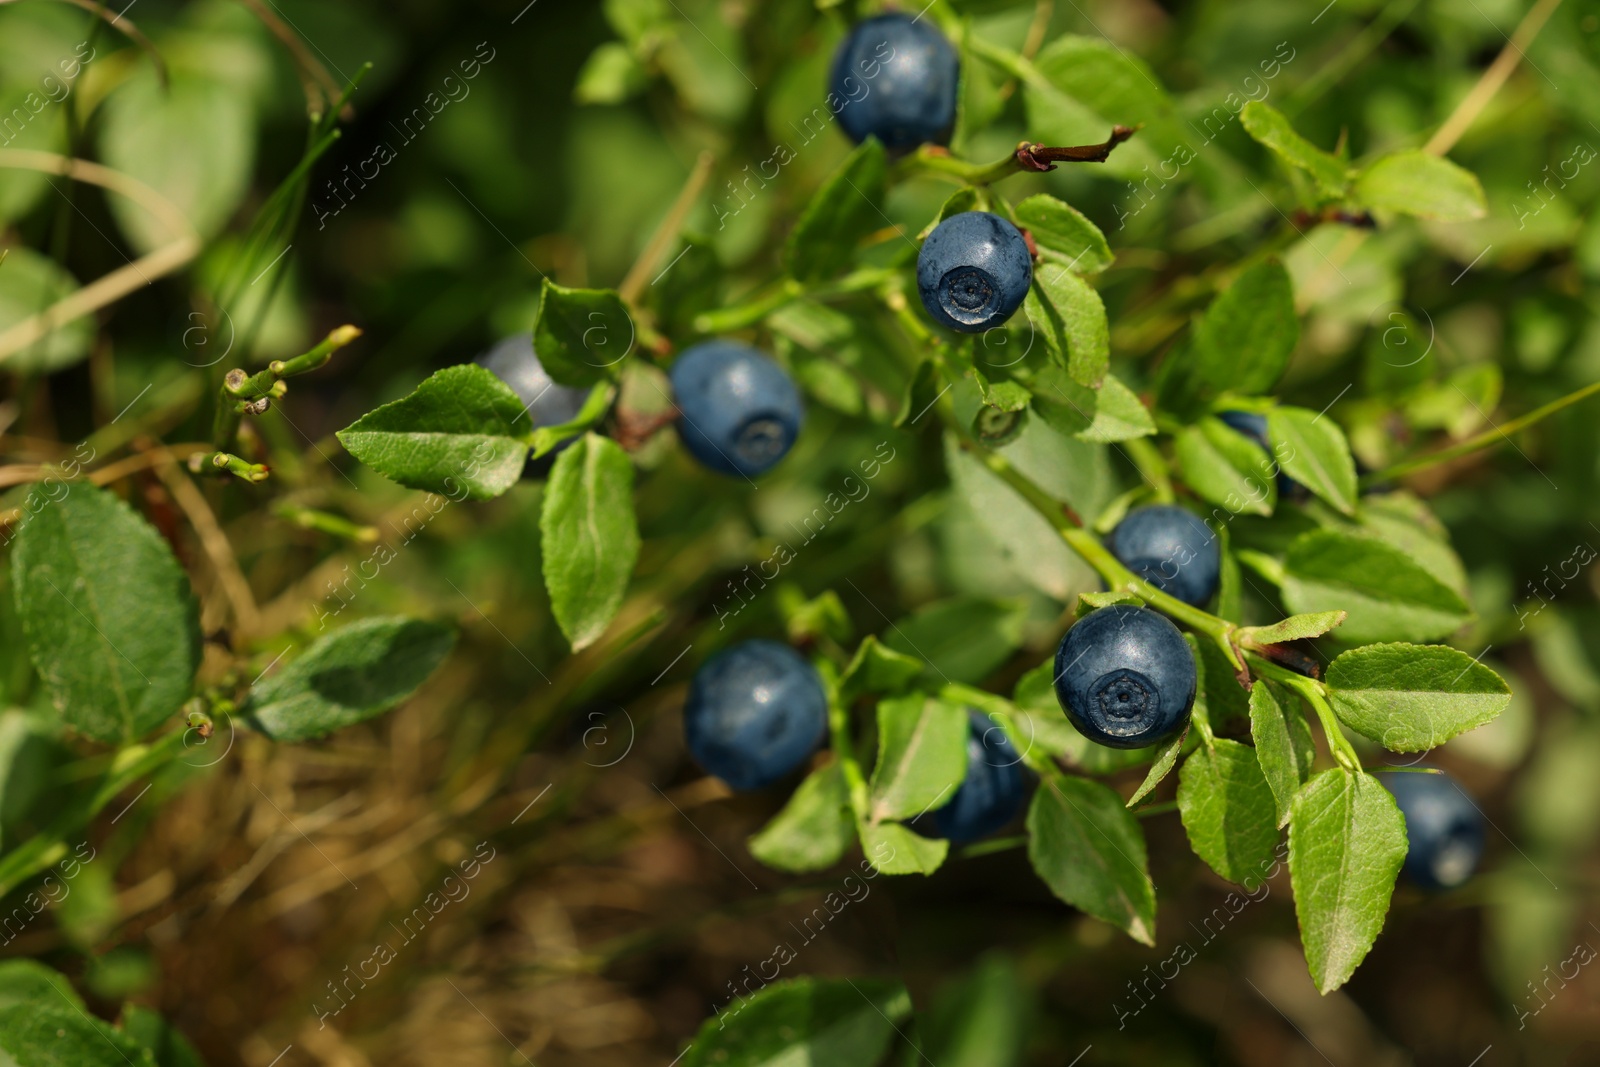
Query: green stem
336	525
1013	64
227	463
1482	440
50	846
998	844
1315	694
936	160
1086	545
544	439
751	312
1152	468
844	751
318	356
239	390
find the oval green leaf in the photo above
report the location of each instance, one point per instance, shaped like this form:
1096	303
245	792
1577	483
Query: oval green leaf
348	676
106	612
1410	698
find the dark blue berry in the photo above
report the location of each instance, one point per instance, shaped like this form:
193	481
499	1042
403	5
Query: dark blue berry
1171	549
894	78
1125	677
549	403
738	411
991	794
1253	425
974	271
755	711
1443	826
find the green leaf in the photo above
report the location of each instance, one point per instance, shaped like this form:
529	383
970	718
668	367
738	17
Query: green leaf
582	335
1406	523
1089	850
823	615
1271	127
963	639
1227	810
24	981
978	102
1003	394
847	208
147	131
920	393
1284	746
45	1034
979	1020
1088	602
1294	628
1243	342
1084	86
1225	467
803	1022
459	434
29	283
877	669
1347	840
1230	585
922	756
1388	596
1119	414
893	848
1313	451
1219	696
609	76
1418	183
813	829
348	676
1071	319
1064	234
1112	413
159	1037
633	19
106	612
967	198
590	538
1166	758
1410	698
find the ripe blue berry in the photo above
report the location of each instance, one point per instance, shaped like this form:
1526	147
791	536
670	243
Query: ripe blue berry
1171	549
738	411
894	78
991	793
1443	827
974	271
755	711
549	403
1125	677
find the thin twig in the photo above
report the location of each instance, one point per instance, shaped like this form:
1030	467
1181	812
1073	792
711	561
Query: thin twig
126	279
1043	11
313	75
218	549
639	274
1043	157
124	24
1466	112
111	472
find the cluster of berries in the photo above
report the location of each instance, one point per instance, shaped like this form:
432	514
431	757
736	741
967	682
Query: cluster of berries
1124	675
